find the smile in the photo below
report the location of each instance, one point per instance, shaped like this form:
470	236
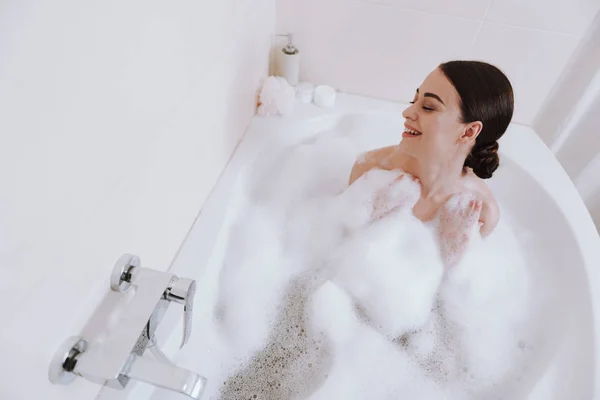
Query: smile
408	131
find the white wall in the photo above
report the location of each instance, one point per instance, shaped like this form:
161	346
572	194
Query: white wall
385	48
116	119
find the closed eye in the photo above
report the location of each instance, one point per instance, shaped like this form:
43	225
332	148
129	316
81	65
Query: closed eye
423	107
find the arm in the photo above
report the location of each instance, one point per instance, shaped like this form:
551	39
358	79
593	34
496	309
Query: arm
368	161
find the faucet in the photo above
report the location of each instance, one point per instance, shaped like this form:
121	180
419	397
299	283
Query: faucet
120	358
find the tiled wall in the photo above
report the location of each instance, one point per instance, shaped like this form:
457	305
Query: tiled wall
385	48
116	120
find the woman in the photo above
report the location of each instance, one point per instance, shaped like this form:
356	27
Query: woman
450	145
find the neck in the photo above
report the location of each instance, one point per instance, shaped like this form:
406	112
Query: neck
438	178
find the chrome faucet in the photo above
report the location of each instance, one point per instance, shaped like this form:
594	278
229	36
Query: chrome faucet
120	358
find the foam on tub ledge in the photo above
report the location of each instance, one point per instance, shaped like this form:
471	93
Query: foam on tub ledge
277	97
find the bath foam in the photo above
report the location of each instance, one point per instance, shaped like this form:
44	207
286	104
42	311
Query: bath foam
319	301
366	365
251	281
392	270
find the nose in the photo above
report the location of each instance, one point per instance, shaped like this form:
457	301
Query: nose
410	112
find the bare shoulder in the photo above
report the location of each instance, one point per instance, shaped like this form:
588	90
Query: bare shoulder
369	160
490	212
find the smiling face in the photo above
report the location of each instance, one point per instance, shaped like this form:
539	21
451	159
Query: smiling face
434	129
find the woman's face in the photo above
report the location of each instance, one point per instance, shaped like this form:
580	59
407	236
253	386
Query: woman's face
433	127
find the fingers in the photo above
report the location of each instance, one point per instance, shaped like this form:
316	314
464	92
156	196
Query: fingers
472	213
475	206
478	208
474	203
460	217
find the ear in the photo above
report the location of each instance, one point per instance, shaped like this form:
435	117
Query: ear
472	130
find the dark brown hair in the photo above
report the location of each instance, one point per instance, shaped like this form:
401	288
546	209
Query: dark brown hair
486	95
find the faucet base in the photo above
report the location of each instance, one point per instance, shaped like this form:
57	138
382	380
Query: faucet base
165	376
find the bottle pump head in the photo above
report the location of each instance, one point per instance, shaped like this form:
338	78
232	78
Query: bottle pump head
289	47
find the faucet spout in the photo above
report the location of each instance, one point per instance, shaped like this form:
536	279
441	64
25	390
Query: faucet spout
167	376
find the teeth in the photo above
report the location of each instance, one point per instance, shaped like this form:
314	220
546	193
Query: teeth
412	131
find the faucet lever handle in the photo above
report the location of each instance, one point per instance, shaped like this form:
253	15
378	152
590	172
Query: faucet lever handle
182	291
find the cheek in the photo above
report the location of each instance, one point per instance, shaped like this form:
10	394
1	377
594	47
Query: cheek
440	132
435	141
430	124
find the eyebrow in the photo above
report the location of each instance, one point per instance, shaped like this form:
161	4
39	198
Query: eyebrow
433	95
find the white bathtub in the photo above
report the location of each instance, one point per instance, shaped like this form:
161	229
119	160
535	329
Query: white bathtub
534	192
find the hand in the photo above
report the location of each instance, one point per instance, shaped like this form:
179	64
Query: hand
402	193
458	219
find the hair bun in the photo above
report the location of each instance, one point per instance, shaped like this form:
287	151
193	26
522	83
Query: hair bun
484	160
